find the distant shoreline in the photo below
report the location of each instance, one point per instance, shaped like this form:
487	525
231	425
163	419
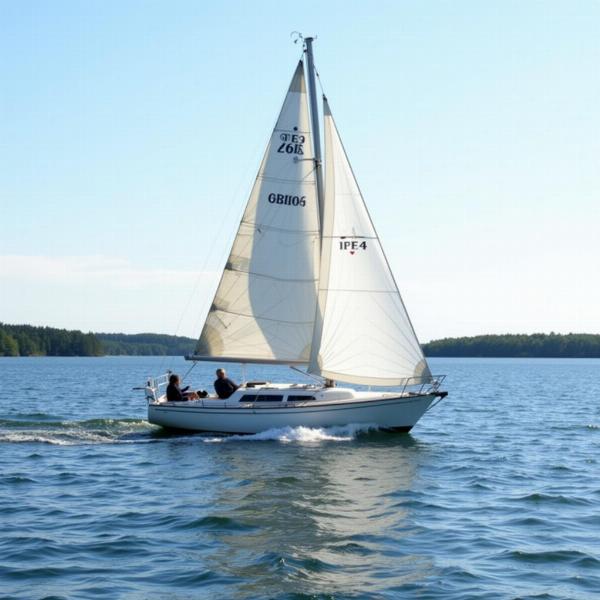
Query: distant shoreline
28	340
536	345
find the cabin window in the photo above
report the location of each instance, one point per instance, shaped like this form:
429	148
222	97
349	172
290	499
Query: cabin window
269	398
261	398
248	398
299	398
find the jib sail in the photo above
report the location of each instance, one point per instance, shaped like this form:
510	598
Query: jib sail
362	332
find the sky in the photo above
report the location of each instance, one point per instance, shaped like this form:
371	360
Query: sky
131	133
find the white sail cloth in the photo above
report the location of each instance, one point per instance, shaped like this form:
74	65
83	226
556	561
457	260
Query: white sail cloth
362	333
264	307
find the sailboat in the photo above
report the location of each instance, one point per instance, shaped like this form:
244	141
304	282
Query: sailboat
307	284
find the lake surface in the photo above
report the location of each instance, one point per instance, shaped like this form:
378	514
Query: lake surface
494	494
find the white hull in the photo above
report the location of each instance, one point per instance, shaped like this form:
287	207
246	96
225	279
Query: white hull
387	411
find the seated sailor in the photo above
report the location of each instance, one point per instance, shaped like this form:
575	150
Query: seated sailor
177	394
223	385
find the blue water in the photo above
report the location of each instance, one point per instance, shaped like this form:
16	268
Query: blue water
494	494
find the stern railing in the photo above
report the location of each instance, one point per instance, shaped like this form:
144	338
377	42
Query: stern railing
154	385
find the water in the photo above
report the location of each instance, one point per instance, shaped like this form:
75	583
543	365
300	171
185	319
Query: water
494	494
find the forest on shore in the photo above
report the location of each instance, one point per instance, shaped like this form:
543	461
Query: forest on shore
29	340
536	345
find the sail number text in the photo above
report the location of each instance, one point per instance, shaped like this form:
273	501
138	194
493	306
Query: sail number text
352	246
291	143
287	199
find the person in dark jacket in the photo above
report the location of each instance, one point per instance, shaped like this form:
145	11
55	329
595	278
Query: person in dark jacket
224	386
176	394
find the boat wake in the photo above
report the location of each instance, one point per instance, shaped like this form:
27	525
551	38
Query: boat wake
342	433
48	430
45	430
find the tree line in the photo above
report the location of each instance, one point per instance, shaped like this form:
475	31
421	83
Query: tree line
146	344
28	340
537	345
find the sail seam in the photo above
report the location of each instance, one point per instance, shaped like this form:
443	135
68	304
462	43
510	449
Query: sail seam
363	291
239	314
302	180
270	276
272	228
306	131
354	237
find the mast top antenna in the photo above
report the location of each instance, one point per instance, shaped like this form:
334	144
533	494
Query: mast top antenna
297	37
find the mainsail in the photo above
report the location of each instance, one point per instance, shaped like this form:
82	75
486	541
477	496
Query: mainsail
264	307
362	332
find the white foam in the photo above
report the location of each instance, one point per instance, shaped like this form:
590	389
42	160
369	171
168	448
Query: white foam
40	439
73	433
341	433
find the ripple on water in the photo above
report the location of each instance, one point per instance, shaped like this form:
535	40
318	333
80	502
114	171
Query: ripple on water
216	523
548	557
351	548
15	479
560	499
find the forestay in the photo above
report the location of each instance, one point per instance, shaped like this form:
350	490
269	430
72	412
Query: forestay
265	304
362	334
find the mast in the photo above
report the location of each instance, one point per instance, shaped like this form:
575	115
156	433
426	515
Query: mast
314	117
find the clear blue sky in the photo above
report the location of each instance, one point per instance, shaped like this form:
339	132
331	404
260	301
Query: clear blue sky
473	129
